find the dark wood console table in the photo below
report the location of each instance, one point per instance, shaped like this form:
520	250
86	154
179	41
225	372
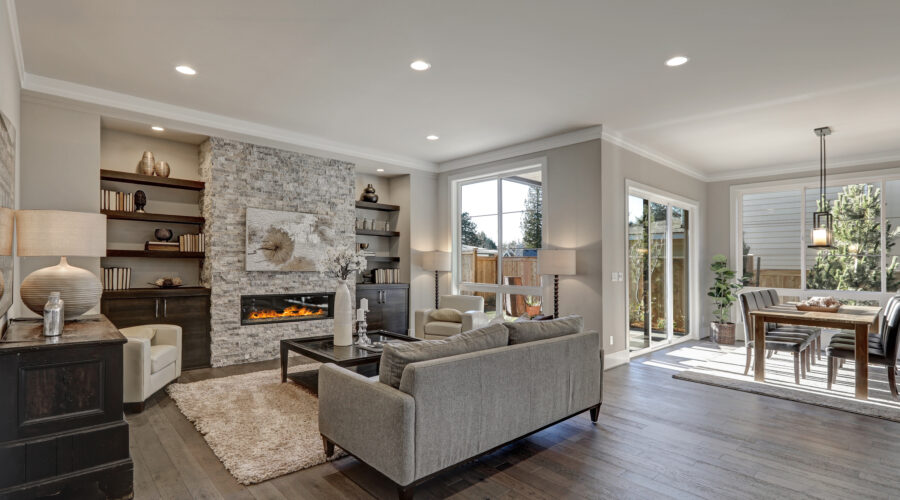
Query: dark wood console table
61	421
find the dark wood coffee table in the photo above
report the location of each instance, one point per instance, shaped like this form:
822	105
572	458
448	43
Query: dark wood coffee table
322	348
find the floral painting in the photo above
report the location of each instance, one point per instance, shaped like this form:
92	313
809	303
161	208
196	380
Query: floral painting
286	241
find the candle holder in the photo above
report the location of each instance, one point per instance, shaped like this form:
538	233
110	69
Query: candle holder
362	338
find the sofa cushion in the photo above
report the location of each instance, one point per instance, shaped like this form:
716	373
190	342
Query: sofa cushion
139	332
162	356
442	328
446	315
396	356
529	331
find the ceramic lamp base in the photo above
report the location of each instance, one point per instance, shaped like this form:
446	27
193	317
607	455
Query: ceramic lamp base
79	288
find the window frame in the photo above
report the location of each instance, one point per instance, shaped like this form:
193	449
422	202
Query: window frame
498	173
878	178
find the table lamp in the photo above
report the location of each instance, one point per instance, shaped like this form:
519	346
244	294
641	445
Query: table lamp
556	263
58	233
7	221
438	262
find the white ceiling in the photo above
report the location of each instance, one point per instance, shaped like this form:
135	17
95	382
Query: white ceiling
762	74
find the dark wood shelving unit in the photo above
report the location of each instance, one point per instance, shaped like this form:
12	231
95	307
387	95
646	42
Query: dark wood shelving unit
134	293
148	217
382	207
382	259
151	180
372	232
158	254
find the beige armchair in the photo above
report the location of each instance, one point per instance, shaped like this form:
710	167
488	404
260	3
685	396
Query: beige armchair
472	316
152	359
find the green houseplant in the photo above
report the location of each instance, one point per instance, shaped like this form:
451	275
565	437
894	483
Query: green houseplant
724	295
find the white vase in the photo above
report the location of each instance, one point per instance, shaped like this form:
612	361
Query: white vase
343	316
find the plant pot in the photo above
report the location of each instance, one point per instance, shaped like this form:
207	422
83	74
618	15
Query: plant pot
722	333
532	311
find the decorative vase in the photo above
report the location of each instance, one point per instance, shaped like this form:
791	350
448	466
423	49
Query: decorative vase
140	201
163	234
343	316
369	194
145	166
79	288
161	169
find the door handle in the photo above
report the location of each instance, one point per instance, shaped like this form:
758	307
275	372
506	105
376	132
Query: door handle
156	313
382	294
165	308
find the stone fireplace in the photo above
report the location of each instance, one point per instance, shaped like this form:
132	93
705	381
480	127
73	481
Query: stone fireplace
286	307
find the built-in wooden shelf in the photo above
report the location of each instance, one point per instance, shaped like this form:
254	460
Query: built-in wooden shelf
373	258
160	254
382	207
151	180
148	217
135	293
372	232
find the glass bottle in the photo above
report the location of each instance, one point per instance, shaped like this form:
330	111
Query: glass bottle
54	315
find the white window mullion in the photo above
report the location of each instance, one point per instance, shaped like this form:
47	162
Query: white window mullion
803	238
670	276
883	236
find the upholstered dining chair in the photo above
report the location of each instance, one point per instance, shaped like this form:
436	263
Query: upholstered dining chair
799	341
883	347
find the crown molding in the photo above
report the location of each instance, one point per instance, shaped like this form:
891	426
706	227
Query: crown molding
524	148
654	156
106	98
13	21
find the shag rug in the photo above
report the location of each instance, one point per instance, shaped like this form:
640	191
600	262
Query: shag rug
259	427
727	370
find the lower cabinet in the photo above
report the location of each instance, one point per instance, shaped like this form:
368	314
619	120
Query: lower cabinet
185	307
388	306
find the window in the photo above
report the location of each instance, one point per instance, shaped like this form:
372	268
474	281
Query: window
774	236
500	229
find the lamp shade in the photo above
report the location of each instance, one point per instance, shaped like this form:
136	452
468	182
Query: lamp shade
436	261
7	221
59	233
554	262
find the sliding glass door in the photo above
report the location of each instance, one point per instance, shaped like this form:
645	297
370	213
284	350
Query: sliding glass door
659	271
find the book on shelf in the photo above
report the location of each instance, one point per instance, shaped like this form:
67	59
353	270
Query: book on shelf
116	278
386	276
161	246
115	200
191	243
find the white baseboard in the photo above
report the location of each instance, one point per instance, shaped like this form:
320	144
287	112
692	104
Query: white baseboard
614	359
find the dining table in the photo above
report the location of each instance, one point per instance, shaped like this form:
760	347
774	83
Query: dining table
859	319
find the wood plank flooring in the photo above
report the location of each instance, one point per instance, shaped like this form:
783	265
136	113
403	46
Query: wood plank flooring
657	438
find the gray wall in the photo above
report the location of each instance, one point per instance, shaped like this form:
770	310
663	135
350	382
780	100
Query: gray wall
59	171
9	105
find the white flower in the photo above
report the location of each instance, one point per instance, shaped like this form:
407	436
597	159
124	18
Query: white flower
340	262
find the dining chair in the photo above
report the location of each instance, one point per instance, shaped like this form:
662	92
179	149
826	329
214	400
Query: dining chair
883	348
779	338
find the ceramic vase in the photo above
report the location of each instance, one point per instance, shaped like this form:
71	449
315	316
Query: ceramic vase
369	194
161	169
343	316
145	166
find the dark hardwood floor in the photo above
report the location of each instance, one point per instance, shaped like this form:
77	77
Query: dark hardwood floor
657	438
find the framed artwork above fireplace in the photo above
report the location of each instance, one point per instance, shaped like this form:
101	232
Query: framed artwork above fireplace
286	241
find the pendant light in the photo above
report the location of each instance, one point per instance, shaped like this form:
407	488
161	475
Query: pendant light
821	235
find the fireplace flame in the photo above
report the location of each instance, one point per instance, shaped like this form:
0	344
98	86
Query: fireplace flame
288	312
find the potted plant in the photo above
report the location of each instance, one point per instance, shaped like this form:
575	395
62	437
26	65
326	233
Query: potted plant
532	306
723	293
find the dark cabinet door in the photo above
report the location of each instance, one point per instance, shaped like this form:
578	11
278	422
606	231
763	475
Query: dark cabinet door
395	310
374	317
132	312
192	315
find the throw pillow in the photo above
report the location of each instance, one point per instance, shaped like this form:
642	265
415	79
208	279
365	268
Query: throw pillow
446	314
521	332
396	356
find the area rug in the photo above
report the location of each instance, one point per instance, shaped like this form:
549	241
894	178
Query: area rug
259	427
727	370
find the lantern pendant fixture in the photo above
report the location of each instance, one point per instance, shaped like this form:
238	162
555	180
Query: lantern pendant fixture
822	235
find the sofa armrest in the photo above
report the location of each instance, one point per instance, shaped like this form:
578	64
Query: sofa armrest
169	335
135	369
371	420
422	316
472	320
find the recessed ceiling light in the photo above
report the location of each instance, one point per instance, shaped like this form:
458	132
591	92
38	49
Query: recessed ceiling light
420	65
432	137
185	70
379	170
677	61
157	128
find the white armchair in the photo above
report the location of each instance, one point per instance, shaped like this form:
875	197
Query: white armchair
472	316
152	359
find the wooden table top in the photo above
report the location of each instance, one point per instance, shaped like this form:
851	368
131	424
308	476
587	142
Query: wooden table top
851	315
26	334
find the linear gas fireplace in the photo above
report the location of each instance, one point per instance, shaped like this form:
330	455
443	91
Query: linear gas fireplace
283	308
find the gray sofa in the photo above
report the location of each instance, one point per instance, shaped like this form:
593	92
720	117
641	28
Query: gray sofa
453	408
